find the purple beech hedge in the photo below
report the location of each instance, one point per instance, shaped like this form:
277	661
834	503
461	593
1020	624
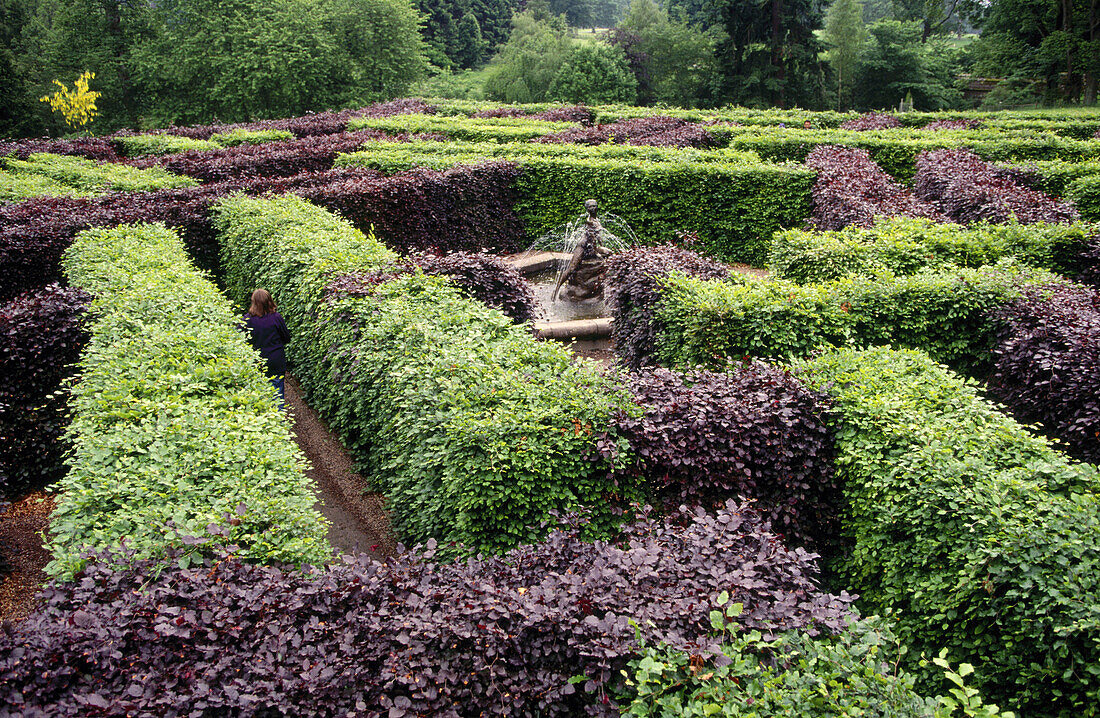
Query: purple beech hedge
481	276
310	125
543	630
571	113
633	291
871	121
1047	364
314	153
418	210
851	190
752	431
968	189
94	148
41	336
425	210
657	131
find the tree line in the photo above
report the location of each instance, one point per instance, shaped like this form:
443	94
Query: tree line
166	62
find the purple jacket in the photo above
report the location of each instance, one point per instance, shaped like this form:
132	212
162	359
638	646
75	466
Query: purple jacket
268	335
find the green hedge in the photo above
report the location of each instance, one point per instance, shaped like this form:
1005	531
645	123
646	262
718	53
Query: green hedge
708	323
474	431
895	150
166	144
1085	193
853	674
241	136
1073	123
61	175
733	201
904	246
160	144
1055	177
487	129
175	426
973	534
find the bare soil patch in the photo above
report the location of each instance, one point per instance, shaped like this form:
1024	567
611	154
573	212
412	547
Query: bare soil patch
360	523
21	528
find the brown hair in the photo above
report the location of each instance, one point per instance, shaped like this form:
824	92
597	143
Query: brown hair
262	303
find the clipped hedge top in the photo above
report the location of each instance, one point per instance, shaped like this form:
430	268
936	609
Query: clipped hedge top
175	426
977	535
480	129
903	246
43	174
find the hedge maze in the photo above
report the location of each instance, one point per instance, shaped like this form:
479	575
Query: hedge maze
908	391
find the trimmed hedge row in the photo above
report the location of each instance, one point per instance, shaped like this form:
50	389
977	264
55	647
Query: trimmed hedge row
852	190
750	431
308	125
485	277
166	144
968	530
1055	177
967	189
59	175
1047	364
733	203
175	427
41	336
1085	195
486	129
473	431
789	674
658	131
904	246
419	210
946	313
545	630
896	151
632	291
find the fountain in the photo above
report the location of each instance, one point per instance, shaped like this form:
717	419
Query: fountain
566	269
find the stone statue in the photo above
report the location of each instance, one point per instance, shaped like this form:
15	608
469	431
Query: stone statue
583	276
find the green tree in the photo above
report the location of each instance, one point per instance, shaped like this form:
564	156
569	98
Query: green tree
238	60
578	13
768	54
528	63
595	74
470	46
896	63
1053	42
379	44
17	106
844	35
673	62
67	37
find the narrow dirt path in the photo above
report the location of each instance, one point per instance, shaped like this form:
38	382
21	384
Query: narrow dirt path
21	546
359	520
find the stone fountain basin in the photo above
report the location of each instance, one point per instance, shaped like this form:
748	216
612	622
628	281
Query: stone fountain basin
593	328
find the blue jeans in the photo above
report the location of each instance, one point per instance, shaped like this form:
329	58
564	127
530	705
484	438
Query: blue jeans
279	383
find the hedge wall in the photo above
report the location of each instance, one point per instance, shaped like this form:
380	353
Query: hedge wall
545	630
905	246
58	175
41	336
175	427
946	313
733	203
483	129
473	431
970	532
896	150
1085	194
